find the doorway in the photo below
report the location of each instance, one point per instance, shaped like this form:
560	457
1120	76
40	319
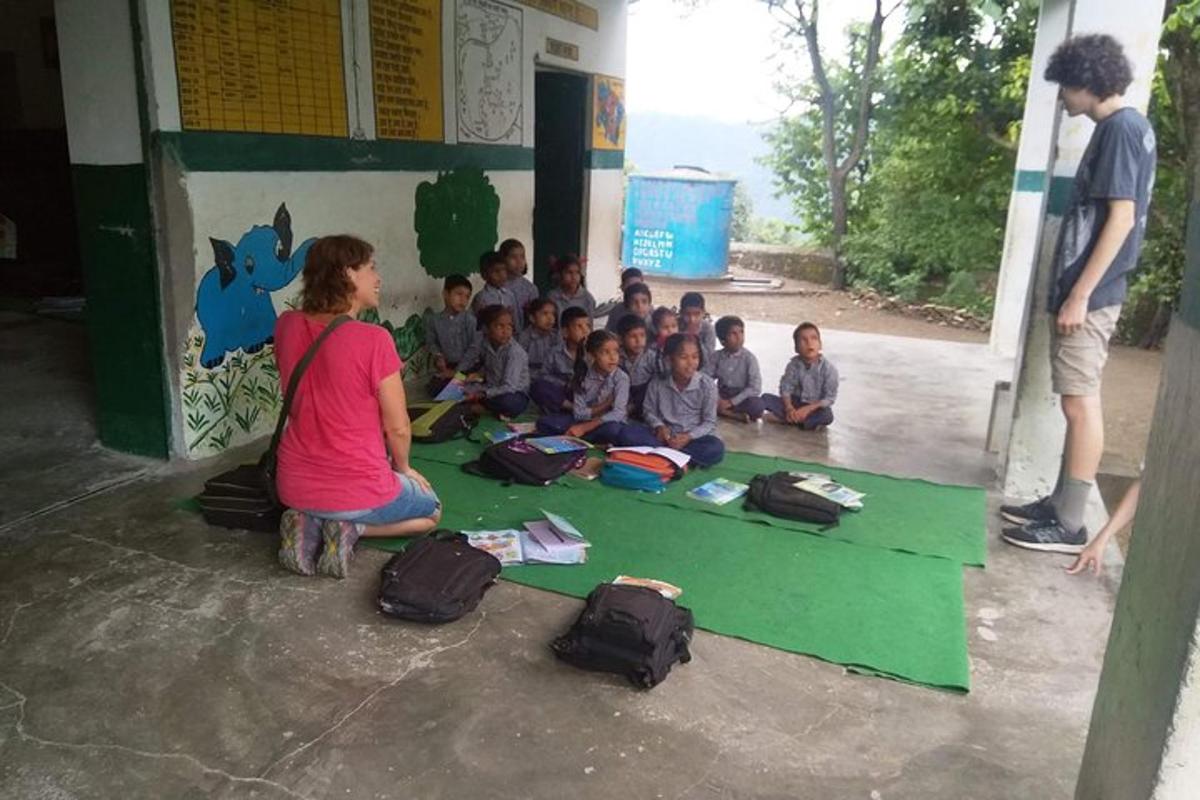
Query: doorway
560	126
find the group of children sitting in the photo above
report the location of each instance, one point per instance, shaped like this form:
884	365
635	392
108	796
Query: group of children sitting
649	377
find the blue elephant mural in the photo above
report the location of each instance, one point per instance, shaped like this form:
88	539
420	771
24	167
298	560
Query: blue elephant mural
233	301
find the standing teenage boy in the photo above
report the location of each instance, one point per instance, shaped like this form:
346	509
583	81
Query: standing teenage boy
1098	247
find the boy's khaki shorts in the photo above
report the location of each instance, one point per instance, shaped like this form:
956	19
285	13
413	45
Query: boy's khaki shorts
1077	360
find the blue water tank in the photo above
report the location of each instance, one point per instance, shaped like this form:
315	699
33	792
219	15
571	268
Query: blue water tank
677	223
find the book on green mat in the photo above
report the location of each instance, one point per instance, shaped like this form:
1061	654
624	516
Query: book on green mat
719	491
557	444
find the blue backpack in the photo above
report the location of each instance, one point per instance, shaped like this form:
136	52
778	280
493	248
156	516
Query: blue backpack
627	476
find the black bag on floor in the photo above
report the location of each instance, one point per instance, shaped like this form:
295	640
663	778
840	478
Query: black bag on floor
245	497
630	630
776	494
437	578
440	421
517	461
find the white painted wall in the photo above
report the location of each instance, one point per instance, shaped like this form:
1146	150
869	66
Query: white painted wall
95	42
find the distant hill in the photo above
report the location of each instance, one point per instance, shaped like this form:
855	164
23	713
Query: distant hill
660	141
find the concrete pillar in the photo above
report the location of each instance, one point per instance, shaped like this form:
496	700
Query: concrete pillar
1144	740
1035	441
1031	183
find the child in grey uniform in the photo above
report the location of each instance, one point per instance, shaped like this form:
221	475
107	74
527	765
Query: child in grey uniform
540	335
809	386
600	395
505	367
450	333
570	292
550	391
523	290
638	361
495	291
739	381
693	319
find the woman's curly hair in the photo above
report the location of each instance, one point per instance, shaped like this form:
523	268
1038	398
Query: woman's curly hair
1095	62
327	288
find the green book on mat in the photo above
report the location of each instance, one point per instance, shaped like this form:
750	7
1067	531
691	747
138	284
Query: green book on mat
719	491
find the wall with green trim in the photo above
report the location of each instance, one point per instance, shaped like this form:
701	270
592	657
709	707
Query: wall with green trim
116	245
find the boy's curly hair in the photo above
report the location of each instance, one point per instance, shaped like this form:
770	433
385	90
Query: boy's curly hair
1095	62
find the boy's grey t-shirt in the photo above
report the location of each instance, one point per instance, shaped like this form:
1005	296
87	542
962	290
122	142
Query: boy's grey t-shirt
1117	165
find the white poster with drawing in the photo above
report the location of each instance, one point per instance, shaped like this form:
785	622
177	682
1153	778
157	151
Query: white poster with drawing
489	69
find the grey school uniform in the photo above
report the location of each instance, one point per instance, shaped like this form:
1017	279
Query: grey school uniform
450	335
692	411
505	369
708	346
498	296
815	383
523	291
641	369
559	365
597	388
737	374
581	299
538	344
619	313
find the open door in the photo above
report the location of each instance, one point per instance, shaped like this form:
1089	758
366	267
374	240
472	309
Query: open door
560	128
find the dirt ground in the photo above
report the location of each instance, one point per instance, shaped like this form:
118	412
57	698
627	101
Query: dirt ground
1130	379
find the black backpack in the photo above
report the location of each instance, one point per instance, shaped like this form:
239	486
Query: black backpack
776	494
517	461
440	421
437	578
630	630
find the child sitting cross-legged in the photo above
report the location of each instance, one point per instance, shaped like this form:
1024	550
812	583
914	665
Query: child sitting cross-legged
449	334
681	407
550	391
638	361
540	336
600	395
739	382
809	385
505	378
570	291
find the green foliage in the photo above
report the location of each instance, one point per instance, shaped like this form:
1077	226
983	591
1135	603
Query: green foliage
743	214
928	203
456	220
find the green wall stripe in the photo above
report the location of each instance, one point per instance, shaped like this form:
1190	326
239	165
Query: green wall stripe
606	159
124	326
1034	180
268	152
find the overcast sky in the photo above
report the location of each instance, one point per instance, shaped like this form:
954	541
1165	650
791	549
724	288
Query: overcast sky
716	61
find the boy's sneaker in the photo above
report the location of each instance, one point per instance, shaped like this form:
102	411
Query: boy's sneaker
1050	537
1040	510
299	539
340	538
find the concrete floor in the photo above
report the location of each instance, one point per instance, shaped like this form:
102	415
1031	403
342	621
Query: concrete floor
143	654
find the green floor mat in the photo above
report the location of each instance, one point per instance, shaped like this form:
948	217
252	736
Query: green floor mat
875	610
911	515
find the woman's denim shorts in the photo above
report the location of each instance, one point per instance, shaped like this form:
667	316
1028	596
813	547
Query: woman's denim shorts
412	502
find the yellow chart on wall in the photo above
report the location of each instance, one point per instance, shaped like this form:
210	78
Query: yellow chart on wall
608	113
406	67
262	66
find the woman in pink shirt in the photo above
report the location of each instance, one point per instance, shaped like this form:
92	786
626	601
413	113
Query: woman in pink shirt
347	418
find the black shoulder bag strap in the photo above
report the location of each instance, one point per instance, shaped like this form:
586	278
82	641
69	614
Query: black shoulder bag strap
267	462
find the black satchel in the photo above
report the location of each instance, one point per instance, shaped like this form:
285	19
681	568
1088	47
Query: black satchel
245	497
438	578
777	495
630	630
517	461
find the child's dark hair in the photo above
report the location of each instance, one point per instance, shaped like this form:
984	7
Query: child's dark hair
489	314
628	274
726	324
570	314
537	305
633	290
659	315
591	345
455	281
490	259
676	341
802	327
629	323
507	246
691	300
1095	62
569	260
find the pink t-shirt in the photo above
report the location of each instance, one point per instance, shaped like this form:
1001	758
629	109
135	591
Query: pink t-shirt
333	456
